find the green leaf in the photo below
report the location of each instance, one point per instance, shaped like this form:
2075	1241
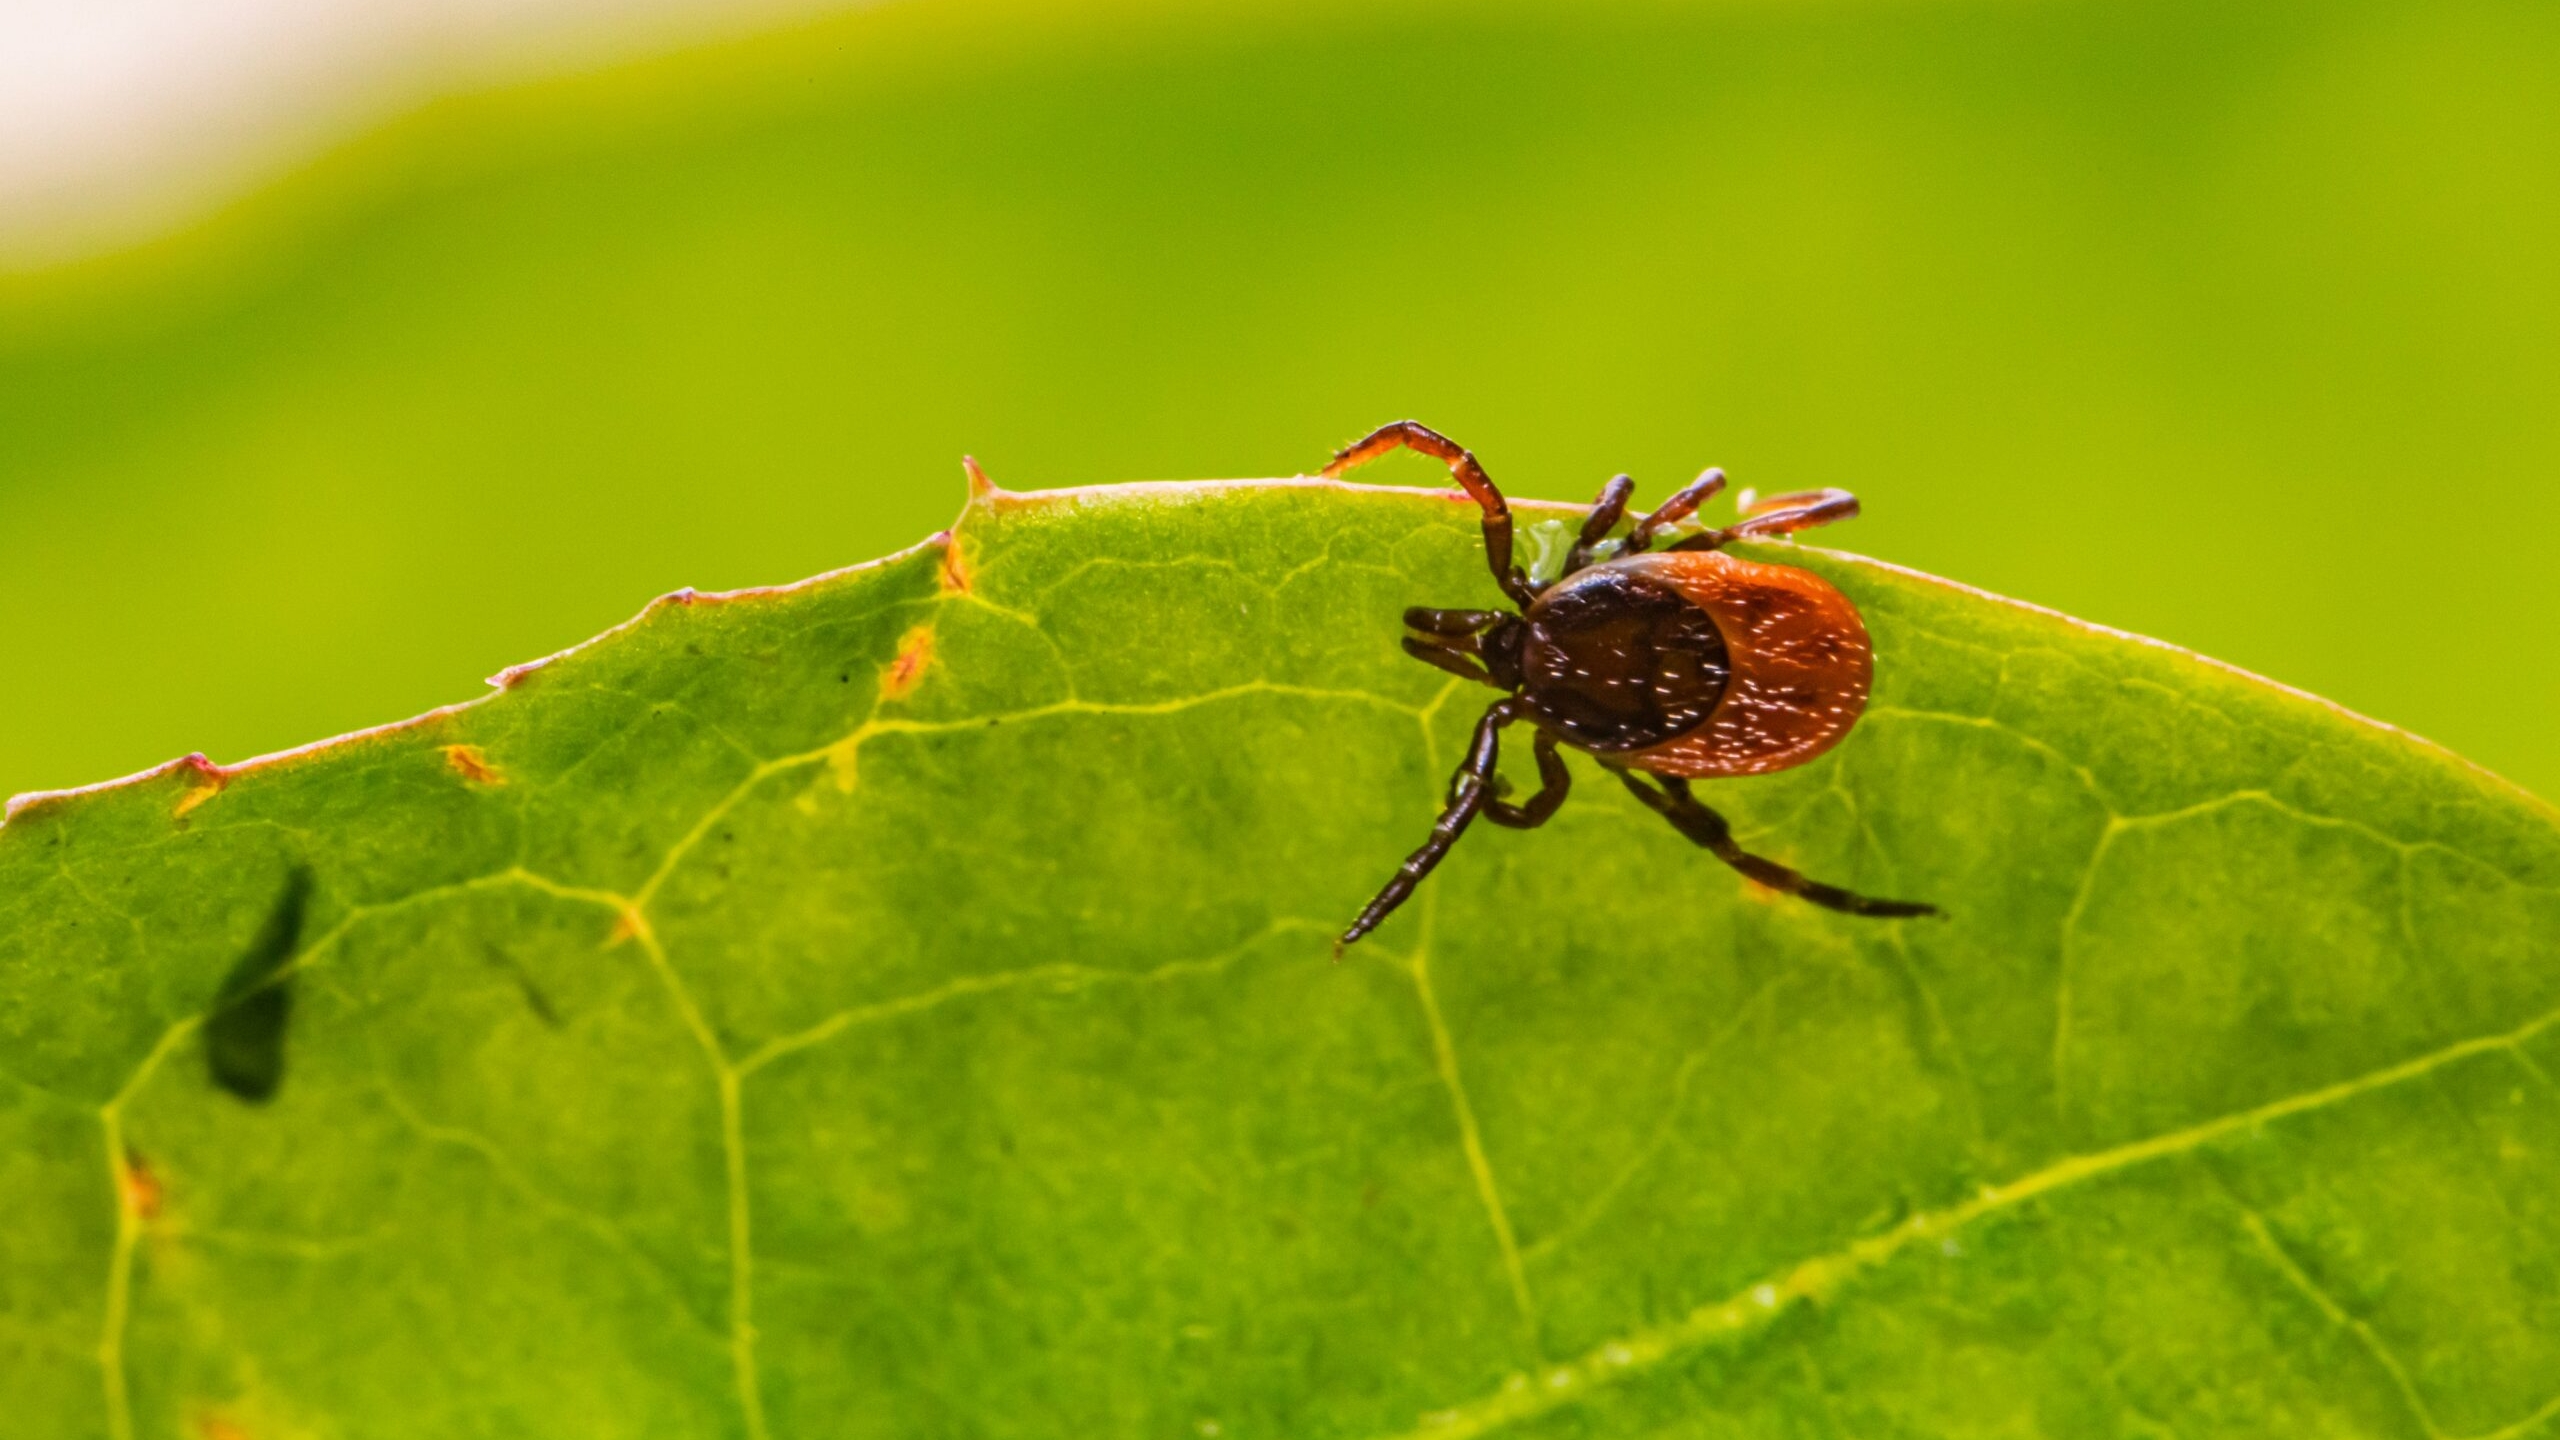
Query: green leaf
898	1005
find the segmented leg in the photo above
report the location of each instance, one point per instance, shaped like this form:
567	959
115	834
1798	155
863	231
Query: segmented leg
1554	783
1673	802
1780	515
1414	435
1469	790
1797	510
1606	511
1683	503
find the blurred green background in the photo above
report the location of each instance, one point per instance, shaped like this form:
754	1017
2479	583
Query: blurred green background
2235	325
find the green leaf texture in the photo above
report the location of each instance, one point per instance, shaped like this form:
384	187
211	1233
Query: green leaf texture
899	1005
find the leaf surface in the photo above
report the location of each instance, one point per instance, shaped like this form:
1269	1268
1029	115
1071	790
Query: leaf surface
898	1005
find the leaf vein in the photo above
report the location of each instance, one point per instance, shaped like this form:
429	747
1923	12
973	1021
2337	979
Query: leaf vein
845	747
1819	1276
1444	1052
1064	978
2301	1280
1668	1124
600	1227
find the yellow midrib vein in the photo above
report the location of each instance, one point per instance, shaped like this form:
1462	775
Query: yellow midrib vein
1471	1141
1526	1397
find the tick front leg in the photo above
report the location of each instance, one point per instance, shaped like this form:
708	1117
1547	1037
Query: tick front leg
1683	503
1606	511
1673	802
1469	790
1463	468
1781	515
1554	783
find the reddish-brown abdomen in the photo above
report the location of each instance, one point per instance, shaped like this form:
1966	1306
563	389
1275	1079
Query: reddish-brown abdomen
1801	663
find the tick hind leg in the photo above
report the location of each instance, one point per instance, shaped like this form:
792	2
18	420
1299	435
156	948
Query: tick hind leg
1463	468
1669	798
1470	791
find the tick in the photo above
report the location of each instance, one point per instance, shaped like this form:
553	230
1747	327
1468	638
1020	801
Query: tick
1665	666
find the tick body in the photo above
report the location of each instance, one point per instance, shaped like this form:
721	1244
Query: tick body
1665	666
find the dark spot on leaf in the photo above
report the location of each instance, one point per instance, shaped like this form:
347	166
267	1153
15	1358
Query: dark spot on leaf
244	1036
534	999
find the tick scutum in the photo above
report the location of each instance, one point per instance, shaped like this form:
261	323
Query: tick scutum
1617	662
